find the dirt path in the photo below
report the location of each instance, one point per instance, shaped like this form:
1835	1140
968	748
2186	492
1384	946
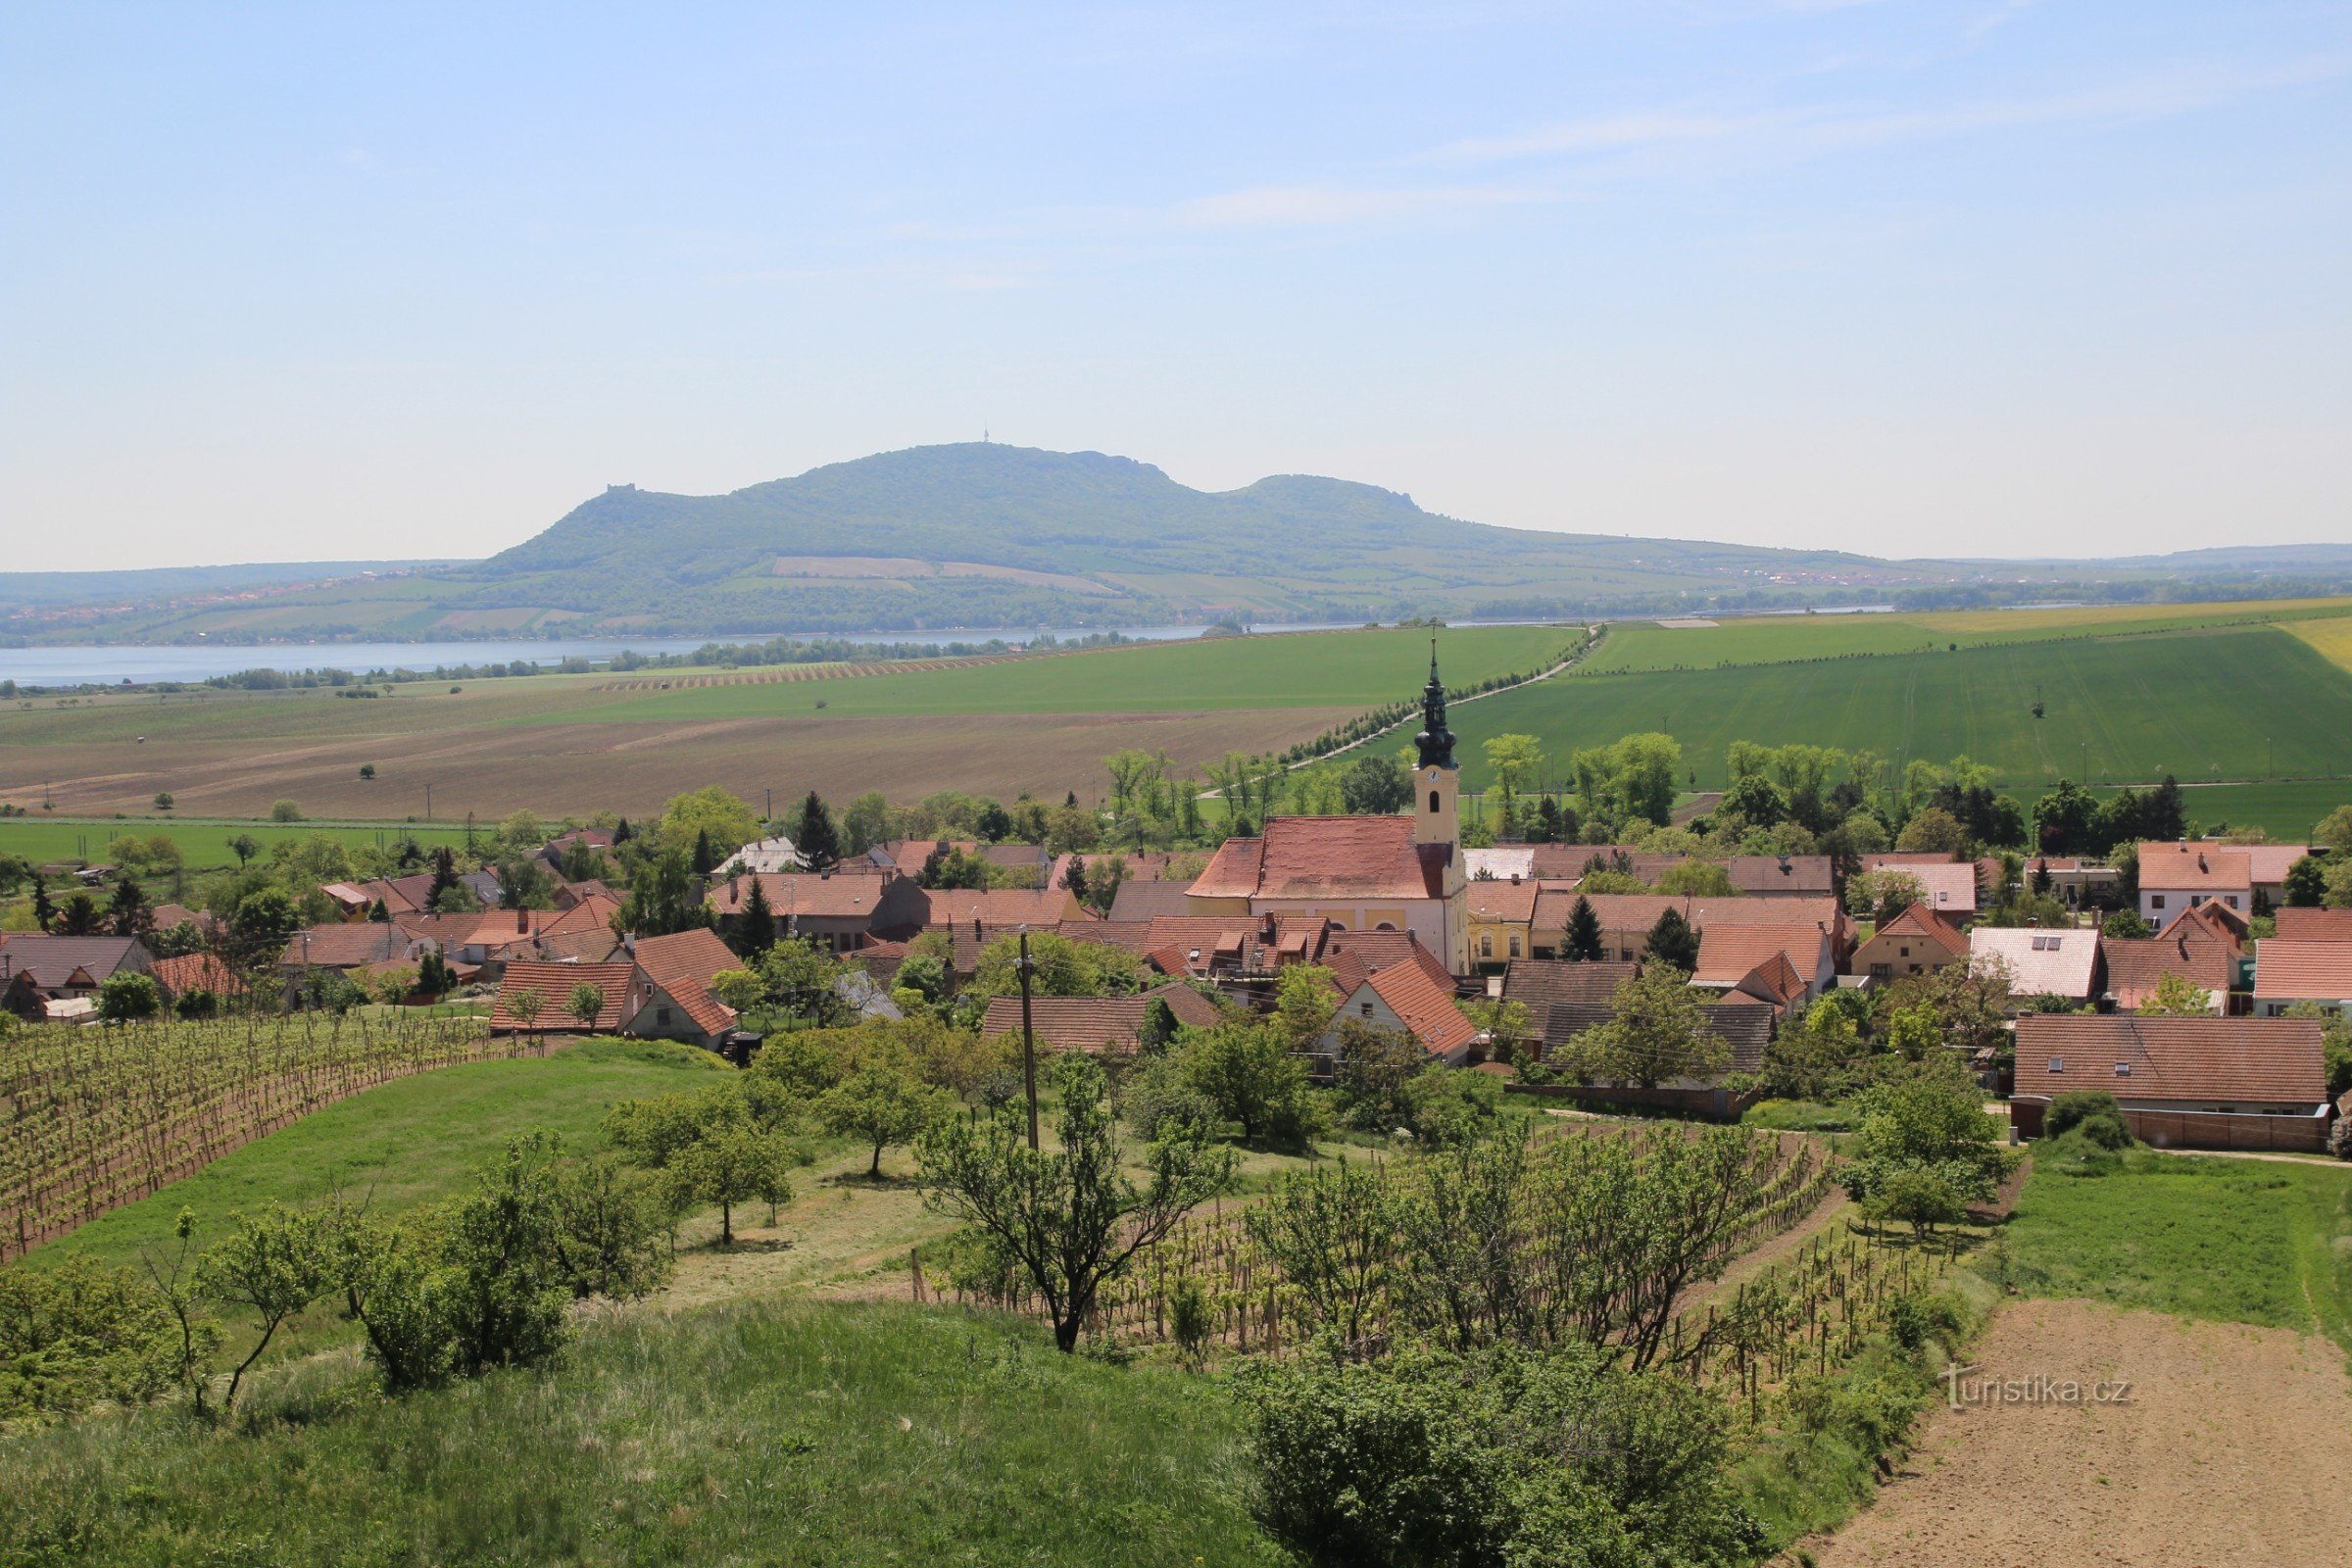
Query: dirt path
1833	1205
2234	1450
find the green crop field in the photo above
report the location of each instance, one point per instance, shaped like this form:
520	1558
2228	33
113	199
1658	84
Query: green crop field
2237	703
1789	639
406	1142
202	841
1296	669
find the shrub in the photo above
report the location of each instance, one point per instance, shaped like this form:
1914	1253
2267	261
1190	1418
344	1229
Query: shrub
285	812
127	996
2096	1112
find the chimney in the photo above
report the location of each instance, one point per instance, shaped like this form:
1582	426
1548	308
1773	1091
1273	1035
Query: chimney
975	926
1514	879
522	921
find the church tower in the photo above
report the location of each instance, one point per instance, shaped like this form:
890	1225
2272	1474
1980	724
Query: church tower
1436	782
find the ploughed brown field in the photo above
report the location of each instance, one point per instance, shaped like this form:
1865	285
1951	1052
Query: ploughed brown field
631	767
2234	1452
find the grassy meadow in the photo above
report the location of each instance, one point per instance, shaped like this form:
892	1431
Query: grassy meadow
758	1431
2239	1240
202	841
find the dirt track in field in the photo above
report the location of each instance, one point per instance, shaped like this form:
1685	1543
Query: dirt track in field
2234	1452
631	767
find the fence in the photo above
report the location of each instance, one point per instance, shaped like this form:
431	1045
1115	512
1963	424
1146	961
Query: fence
2201	1129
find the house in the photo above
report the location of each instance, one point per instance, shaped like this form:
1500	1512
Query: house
1368	874
1947	885
169	915
1784	966
1035	908
337	944
596	839
679	1003
2223	1083
2075	880
2177	876
413	894
2234	927
1626	919
193	972
494	937
352	902
2314	926
53	968
835	910
1562	999
1782	877
768	854
1916	941
2040	962
1113	1024
2267	866
1147	900
1502	917
2288	971
536	997
2137	966
1406	997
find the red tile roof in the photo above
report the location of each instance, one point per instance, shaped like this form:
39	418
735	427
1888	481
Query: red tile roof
2314	925
1948	885
1557	980
1780	875
1424	1006
1928	925
1513	902
1728	954
196	971
2293	970
338	944
698	955
2266	863
803	893
2232	926
554	983
1327	858
2194	1059
2195	868
1035	908
2136	966
1094	1023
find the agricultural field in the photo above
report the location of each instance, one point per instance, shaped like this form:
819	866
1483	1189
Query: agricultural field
572	744
2331	637
203	841
2233	705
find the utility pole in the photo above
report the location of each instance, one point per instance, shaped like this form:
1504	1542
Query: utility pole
429	803
772	805
1028	1039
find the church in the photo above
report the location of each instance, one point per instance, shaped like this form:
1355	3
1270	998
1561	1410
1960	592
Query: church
1366	873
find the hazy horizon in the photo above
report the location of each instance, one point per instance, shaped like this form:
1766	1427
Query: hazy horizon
400	282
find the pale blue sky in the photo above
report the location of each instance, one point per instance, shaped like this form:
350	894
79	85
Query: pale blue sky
301	282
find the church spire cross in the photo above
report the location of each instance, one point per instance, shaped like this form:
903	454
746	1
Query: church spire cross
1435	740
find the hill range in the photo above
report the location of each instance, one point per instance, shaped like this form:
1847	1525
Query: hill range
982	536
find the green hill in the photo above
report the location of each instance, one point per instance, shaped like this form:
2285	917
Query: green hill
982	536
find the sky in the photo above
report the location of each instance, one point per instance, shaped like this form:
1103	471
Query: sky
1995	277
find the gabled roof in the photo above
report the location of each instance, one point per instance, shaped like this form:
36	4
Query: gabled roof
2225	1060
1544	981
1422	1006
2137	965
196	971
1145	901
554	983
1501	863
2042	962
1386	950
2314	925
1728	954
1327	858
1781	874
52	961
2295	970
1510	902
1921	923
696	1000
2215	917
347	945
2195	868
806	893
1036	908
696	956
767	855
1094	1023
2266	863
1947	885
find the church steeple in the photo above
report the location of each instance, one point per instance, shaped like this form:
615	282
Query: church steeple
1435	740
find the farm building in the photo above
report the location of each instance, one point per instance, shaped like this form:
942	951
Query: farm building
2196	1083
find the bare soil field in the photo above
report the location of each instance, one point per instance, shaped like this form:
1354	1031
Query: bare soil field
2234	1450
560	768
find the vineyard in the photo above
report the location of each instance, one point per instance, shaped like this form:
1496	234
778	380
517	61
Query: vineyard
1550	1224
94	1118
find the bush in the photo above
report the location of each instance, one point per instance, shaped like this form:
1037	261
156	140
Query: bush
1429	1458
285	812
127	996
2096	1112
2076	1152
76	1335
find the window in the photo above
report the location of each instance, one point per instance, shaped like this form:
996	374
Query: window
662	1013
2155	900
2231	901
2122	1069
1514	943
1433	802
1486	945
1367	1008
2195	898
1385	925
2057	1064
1905	952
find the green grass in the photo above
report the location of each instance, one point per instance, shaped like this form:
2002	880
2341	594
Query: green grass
2225	704
404	1143
2265	1241
203	841
2289	807
1300	669
809	1433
